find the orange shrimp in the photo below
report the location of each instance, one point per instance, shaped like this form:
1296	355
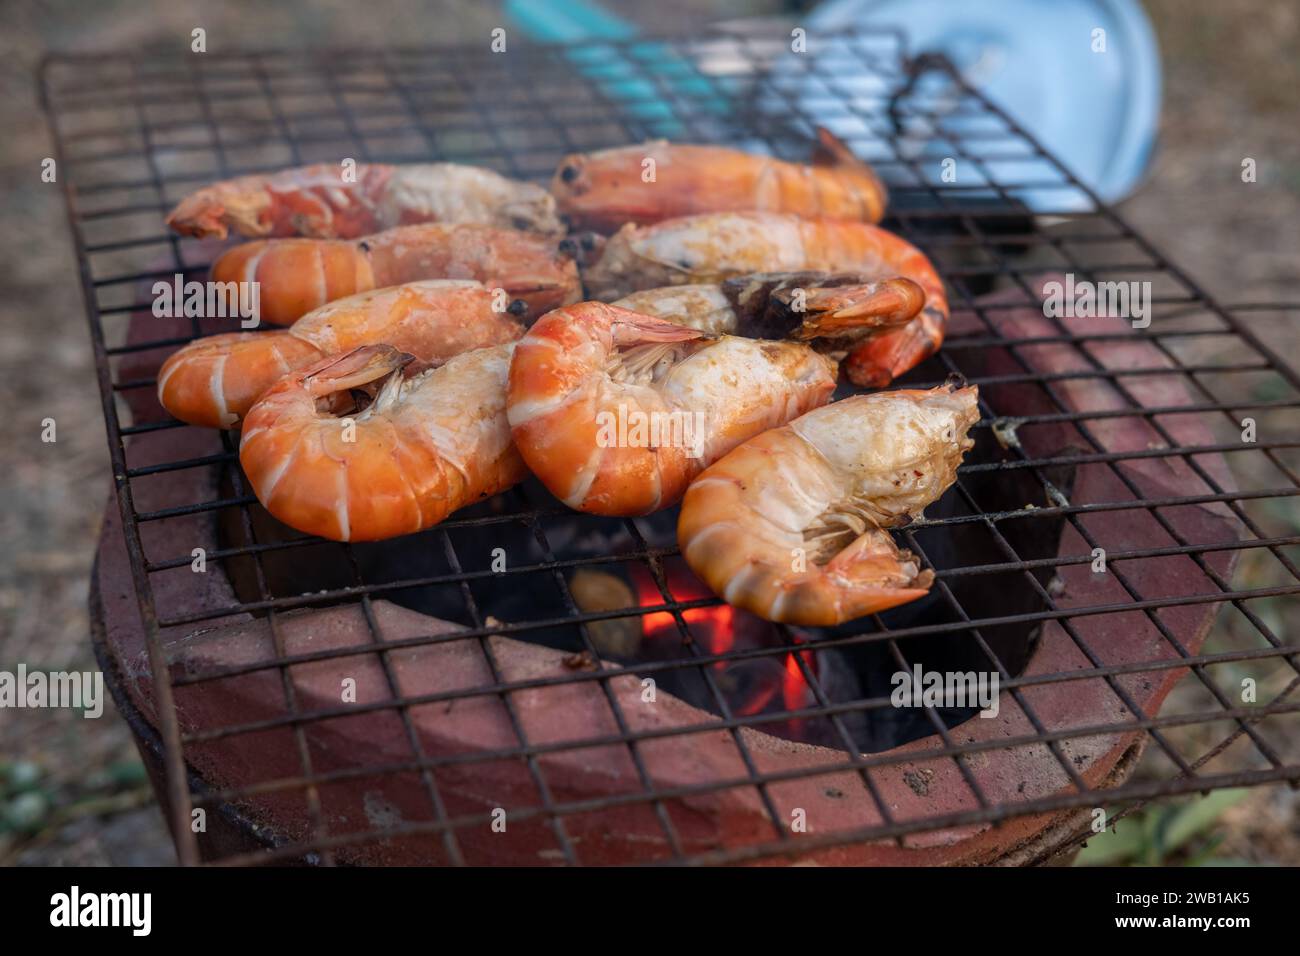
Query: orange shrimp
323	461
616	412
791	524
711	248
606	189
319	202
298	275
214	381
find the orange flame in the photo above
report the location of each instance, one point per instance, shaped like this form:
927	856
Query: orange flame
715	630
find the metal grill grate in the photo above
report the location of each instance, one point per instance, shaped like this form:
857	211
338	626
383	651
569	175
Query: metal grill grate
134	135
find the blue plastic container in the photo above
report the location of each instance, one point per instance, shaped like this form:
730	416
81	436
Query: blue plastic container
1095	111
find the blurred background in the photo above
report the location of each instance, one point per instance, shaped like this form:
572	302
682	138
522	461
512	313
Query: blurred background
73	791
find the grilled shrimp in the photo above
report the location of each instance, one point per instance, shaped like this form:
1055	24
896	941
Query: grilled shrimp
834	311
616	412
606	189
423	447
316	201
709	249
214	381
791	525
298	275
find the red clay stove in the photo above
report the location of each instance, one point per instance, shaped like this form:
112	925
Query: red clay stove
368	735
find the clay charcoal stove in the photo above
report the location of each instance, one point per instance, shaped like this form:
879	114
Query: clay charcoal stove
330	703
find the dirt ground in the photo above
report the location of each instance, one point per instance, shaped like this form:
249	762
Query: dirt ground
1232	72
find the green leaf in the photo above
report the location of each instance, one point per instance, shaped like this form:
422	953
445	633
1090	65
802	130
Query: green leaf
1154	823
1126	842
1206	852
1199	815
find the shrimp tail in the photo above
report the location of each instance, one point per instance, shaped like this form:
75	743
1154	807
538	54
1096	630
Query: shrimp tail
574	330
848	313
879	570
836	310
888	303
631	329
353	370
881	359
869	576
201	214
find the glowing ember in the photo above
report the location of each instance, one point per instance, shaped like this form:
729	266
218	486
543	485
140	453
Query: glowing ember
750	685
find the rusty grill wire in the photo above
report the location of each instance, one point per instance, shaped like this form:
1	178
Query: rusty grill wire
134	134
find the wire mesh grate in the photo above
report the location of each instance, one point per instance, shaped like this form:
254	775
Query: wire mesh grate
1095	438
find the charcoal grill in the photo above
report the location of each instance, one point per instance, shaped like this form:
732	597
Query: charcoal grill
473	708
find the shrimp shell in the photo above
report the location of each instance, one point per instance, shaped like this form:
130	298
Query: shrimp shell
581	371
424	447
298	275
790	525
605	189
214	381
317	202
